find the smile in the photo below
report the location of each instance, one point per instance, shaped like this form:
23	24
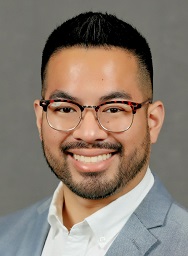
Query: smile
91	159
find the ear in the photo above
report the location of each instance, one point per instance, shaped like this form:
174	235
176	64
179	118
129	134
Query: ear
156	115
38	112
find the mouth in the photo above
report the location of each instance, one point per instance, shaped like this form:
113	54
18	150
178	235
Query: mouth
87	161
99	157
92	159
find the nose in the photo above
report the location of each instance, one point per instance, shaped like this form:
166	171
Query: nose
89	129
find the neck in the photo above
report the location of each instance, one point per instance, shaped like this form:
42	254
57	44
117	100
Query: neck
76	209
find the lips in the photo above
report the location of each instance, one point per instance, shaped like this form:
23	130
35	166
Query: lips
91	158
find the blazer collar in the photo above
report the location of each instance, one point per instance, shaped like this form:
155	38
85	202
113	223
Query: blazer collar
36	231
136	237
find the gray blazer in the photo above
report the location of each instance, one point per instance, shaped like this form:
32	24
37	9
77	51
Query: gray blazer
158	227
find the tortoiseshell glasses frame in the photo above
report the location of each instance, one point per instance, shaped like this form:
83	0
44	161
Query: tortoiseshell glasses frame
112	116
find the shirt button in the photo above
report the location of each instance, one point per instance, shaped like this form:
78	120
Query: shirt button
102	239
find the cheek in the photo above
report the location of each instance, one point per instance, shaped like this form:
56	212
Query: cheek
140	123
133	137
127	140
52	138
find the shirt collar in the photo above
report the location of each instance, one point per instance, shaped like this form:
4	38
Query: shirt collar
55	211
108	221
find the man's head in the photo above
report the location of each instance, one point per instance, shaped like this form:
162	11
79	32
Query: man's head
90	30
96	133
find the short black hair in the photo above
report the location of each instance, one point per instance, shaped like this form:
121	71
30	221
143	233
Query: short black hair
95	29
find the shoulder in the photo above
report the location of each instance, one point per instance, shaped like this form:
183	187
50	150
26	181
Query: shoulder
21	218
177	218
38	207
172	230
172	215
24	230
172	236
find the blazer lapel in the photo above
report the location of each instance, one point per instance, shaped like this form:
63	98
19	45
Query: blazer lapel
136	236
36	232
134	239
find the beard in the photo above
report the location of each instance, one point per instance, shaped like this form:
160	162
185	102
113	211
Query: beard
97	185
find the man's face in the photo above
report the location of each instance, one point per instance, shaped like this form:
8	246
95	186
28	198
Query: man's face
90	75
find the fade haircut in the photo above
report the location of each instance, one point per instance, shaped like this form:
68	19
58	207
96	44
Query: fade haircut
94	29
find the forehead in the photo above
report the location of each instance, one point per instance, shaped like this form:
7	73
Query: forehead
92	72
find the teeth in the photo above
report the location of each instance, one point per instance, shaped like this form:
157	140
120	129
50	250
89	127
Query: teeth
93	159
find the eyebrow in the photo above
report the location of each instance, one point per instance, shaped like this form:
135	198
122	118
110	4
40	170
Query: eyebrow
115	95
112	95
63	95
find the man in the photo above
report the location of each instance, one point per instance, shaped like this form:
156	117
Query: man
97	122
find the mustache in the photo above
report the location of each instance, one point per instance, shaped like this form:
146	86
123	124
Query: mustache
102	145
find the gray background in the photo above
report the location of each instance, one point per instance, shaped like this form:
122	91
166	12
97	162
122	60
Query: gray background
24	27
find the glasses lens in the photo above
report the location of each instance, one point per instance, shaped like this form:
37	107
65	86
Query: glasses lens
63	116
115	117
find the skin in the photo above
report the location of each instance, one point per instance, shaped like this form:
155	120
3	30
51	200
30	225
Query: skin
89	75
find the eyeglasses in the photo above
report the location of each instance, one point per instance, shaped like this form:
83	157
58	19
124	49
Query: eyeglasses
113	116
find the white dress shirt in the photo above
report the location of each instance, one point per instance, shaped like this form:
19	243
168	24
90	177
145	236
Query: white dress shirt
95	234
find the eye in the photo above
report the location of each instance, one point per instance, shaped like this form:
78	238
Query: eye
116	108
65	110
63	107
113	110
